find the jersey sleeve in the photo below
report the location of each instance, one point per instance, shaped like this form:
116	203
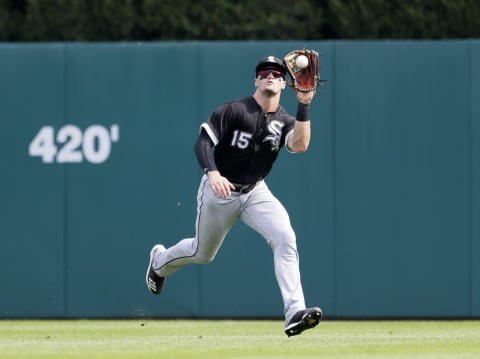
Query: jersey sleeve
204	152
216	125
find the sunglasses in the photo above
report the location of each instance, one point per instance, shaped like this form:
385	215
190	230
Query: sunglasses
264	74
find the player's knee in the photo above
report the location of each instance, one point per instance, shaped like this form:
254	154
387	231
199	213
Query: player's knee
285	242
205	259
287	249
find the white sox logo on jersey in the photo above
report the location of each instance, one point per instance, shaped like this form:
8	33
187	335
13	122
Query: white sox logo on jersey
275	130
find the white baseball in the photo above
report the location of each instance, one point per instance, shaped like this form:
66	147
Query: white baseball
301	61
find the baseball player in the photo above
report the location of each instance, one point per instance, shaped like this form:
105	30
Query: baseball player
236	147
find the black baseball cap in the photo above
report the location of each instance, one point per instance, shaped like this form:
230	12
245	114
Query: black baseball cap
270	63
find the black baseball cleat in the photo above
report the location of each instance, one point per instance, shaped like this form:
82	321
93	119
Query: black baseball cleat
154	282
303	320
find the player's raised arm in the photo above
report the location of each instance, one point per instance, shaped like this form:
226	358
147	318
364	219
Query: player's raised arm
302	67
300	139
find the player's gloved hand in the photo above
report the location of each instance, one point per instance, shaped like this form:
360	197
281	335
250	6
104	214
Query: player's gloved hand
221	187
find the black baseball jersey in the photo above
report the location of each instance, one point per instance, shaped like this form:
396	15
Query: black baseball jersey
247	140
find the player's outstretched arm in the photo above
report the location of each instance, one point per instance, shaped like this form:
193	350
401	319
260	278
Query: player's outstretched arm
300	139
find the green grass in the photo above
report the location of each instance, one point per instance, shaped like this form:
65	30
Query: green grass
181	339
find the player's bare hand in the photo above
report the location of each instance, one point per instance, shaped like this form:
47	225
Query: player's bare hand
221	187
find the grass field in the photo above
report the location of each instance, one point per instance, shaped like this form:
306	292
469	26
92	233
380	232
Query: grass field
180	339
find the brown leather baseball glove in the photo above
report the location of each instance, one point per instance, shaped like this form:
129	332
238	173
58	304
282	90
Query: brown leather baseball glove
303	79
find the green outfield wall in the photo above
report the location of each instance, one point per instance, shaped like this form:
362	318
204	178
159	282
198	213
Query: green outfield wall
97	165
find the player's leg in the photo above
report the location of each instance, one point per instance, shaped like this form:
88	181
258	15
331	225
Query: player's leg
266	215
214	219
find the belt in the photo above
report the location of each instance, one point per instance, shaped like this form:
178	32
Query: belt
243	188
